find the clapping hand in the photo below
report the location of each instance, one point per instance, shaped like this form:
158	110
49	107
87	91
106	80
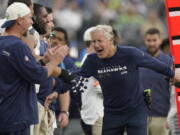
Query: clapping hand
56	54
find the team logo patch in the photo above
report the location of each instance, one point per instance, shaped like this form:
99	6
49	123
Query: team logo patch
26	58
6	53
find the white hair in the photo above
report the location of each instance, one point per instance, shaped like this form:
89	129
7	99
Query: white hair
106	29
87	34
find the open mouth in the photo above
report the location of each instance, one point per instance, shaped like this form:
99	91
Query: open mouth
99	51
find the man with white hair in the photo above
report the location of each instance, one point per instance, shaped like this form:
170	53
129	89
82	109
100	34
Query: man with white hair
20	71
92	99
117	70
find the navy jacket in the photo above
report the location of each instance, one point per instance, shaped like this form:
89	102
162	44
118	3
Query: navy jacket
159	84
19	71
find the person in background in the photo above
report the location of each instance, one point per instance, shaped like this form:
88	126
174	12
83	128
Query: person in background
50	21
158	83
46	91
40	25
165	47
31	39
172	118
60	36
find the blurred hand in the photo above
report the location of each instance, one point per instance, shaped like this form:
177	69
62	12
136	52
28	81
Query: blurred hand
63	120
50	99
177	75
56	54
166	125
56	71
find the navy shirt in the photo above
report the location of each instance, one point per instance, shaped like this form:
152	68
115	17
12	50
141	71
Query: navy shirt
75	98
43	47
19	71
119	77
46	88
63	87
68	64
159	85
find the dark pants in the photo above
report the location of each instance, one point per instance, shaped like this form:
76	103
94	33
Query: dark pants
21	132
86	128
134	122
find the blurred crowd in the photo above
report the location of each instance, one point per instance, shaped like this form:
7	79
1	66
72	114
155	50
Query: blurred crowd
131	18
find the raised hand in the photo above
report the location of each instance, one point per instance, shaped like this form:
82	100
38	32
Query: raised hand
56	54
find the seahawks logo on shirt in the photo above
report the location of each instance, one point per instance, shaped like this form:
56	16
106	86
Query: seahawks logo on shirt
112	69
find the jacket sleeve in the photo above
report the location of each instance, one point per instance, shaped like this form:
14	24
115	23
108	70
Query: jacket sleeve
142	59
26	65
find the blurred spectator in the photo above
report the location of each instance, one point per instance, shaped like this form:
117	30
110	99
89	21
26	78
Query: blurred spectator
70	18
138	4
50	24
165	46
129	24
31	39
50	20
106	14
3	5
157	83
40	19
153	21
40	25
77	15
45	3
60	37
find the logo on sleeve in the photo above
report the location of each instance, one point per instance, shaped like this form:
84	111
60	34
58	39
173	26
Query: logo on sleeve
6	53
142	53
26	58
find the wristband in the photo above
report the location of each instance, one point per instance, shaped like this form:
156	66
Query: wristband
66	76
66	112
